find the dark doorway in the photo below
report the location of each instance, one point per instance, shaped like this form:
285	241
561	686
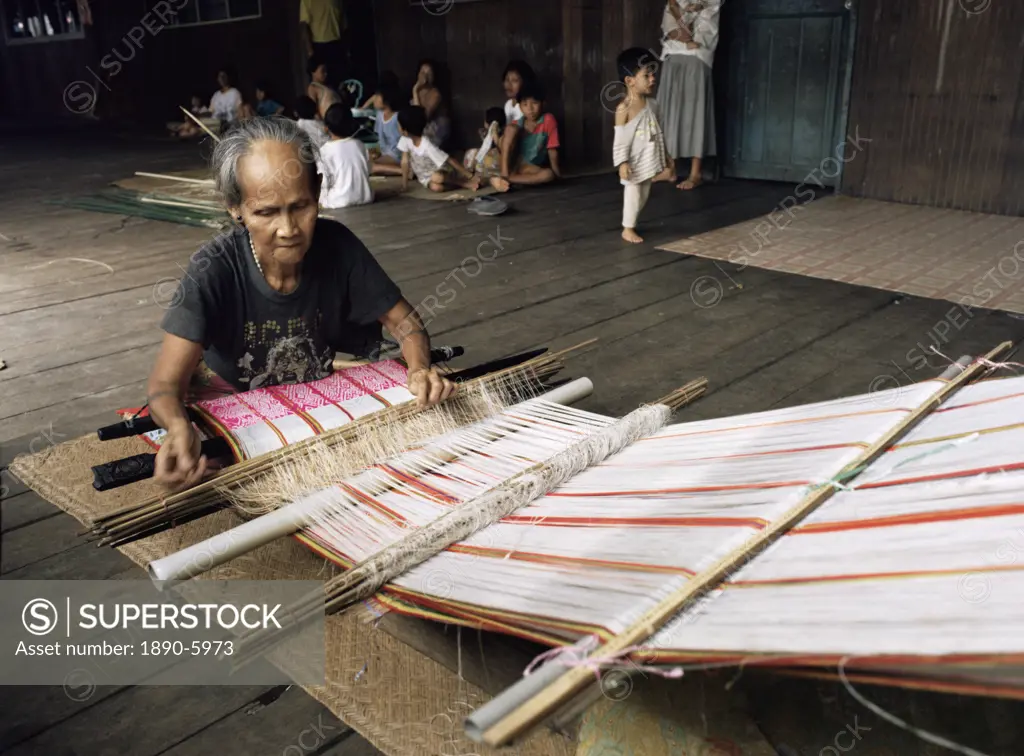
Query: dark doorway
788	64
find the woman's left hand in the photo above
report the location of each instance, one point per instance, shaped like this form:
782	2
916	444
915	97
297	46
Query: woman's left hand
429	386
692	45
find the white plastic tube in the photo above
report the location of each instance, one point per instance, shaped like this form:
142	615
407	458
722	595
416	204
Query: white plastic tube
205	555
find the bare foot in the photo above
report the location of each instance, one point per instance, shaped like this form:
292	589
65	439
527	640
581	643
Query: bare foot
499	183
632	236
666	175
691	183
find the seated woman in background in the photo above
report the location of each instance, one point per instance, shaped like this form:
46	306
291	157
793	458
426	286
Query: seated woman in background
427	94
226	103
265	106
531	156
517	73
318	91
389	163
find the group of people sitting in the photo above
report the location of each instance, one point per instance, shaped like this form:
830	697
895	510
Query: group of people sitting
226	107
518	142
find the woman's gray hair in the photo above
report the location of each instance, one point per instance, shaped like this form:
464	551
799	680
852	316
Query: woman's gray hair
238	142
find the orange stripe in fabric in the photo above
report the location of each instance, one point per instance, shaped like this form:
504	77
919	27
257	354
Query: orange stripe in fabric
608	522
857	577
949	515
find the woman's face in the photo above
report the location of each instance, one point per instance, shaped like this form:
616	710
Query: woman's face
427	73
320	74
223	80
279	204
513	82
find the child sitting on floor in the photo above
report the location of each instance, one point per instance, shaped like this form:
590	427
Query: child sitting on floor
533	155
344	162
387	80
389	163
305	113
189	128
485	161
639	150
265	106
432	167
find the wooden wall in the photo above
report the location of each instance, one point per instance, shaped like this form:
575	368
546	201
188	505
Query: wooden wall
571	44
940	93
152	76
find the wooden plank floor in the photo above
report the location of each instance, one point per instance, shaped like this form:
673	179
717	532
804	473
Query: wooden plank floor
79	327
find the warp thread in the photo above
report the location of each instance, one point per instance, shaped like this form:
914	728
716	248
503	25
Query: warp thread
893	719
475	514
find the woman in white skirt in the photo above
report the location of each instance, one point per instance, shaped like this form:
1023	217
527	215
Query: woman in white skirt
686	95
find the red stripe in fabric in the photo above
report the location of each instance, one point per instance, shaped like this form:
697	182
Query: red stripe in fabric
418	484
530	556
299	413
857	577
371	502
330	401
945	476
694	489
949	515
699	522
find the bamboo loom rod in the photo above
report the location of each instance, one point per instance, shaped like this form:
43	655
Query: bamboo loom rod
200	124
203	182
527	715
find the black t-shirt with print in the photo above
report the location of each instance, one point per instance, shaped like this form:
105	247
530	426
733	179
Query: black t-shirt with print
254	336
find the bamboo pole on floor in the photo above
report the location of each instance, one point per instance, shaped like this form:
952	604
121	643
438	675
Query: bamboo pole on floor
168	177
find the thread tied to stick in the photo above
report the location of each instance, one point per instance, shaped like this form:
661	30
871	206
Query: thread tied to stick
580	655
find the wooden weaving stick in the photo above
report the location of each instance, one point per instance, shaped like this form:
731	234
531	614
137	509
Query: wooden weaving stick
560	692
200	124
186	179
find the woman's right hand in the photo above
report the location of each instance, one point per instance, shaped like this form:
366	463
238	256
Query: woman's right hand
179	462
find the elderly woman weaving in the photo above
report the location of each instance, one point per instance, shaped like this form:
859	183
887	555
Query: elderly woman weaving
271	301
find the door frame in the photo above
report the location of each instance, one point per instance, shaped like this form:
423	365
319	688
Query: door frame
843	117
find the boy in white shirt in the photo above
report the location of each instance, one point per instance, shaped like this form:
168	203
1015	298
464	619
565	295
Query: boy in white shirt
431	165
344	162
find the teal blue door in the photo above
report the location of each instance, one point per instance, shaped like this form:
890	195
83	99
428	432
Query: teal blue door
788	65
